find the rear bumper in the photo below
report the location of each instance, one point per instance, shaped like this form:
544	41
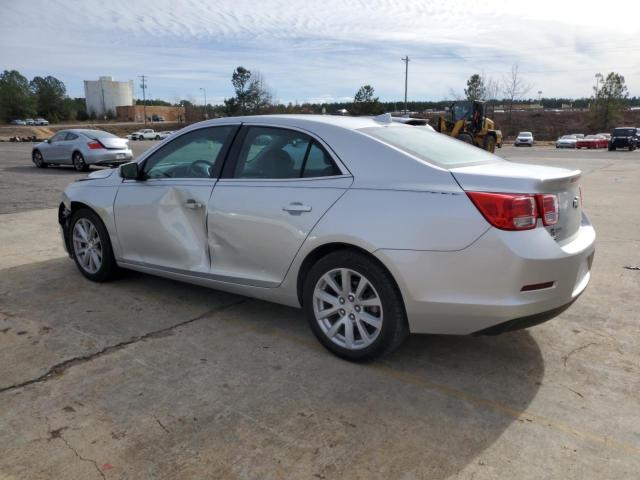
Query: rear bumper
108	157
480	287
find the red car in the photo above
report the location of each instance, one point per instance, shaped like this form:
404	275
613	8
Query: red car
592	141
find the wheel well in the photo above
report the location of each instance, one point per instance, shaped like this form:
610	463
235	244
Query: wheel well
76	151
326	249
33	152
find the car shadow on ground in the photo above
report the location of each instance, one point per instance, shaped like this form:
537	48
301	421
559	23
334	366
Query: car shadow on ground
50	170
428	410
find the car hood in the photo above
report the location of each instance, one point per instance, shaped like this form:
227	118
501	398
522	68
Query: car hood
98	175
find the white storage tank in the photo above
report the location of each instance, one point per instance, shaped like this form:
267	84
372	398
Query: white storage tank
105	95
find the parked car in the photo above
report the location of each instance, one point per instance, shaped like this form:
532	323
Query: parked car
40	121
157	118
624	137
592	141
82	148
566	141
524	138
17	122
30	121
376	229
163	135
143	134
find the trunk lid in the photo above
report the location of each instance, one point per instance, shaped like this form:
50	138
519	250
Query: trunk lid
509	177
110	142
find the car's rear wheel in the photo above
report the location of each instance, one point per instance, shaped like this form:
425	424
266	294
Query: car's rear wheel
91	247
353	306
79	163
38	160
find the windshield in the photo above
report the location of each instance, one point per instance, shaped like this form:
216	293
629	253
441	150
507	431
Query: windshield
624	131
525	134
568	137
431	146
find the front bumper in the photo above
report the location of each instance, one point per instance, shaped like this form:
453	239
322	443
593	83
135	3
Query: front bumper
523	142
471	290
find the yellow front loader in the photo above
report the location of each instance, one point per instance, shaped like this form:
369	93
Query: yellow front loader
468	122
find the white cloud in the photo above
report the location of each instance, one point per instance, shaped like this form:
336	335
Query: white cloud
312	50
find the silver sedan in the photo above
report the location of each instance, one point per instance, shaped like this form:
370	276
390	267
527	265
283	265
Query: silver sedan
374	228
82	148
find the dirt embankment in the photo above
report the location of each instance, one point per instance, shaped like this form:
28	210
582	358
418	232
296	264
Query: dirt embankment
548	126
120	129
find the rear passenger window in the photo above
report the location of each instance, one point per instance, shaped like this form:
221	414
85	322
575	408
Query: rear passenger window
272	153
319	164
71	136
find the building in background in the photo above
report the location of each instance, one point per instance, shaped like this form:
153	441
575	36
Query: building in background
104	95
135	113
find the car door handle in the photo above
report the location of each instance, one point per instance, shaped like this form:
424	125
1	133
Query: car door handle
296	208
192	204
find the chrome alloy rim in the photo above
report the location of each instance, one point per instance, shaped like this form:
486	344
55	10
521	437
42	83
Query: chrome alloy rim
38	158
87	245
347	308
78	162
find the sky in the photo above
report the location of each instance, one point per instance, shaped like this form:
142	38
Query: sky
323	51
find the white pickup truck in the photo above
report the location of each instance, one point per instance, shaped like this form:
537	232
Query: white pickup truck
144	134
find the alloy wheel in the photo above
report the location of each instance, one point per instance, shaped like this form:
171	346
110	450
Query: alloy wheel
348	308
78	162
87	246
37	158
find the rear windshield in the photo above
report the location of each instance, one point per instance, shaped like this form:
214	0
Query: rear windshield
95	134
624	131
431	146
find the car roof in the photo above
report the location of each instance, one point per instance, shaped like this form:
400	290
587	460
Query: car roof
349	123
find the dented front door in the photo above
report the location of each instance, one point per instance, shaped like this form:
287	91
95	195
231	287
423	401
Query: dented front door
162	223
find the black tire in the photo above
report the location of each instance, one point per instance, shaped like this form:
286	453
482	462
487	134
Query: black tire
490	143
394	329
108	268
38	160
157	137
466	138
78	162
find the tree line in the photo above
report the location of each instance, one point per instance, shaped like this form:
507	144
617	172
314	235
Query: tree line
47	97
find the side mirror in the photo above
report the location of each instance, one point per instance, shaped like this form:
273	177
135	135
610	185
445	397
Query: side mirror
48	140
129	171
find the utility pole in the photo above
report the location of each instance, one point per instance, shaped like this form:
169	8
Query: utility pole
206	114
406	76
143	85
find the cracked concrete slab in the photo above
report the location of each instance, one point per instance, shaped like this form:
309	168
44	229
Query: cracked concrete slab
149	378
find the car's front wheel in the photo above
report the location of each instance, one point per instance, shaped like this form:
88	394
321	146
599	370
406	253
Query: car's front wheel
90	246
353	306
38	160
79	163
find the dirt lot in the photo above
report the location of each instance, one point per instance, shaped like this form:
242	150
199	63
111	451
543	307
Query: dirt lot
117	128
149	378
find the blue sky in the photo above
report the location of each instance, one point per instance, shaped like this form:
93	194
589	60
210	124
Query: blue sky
322	50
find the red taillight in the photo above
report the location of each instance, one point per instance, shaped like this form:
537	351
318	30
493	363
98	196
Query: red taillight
548	205
95	145
516	211
507	211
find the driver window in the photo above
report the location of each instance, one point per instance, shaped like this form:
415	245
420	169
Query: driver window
192	155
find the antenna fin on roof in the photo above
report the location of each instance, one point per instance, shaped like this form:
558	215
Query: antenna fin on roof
383	118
